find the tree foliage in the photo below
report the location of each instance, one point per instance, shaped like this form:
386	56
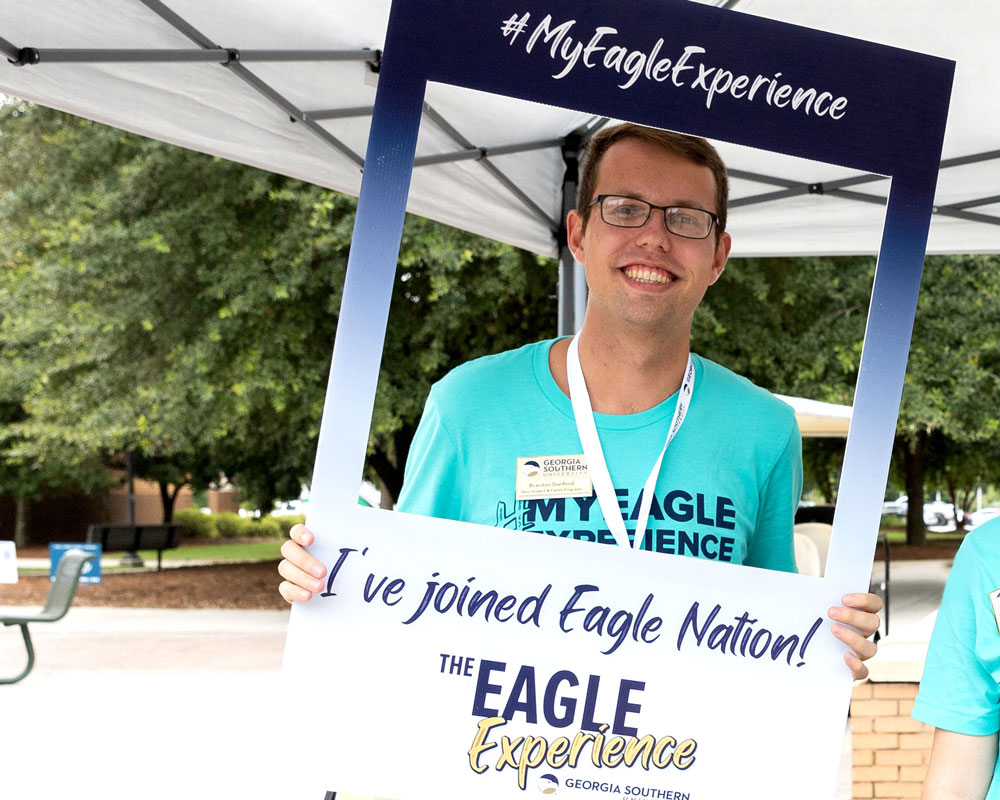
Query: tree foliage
795	326
184	306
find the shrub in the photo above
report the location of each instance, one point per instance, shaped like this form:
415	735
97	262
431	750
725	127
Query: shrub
230	525
286	523
265	527
199	526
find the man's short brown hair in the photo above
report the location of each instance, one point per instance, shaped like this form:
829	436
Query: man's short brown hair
692	148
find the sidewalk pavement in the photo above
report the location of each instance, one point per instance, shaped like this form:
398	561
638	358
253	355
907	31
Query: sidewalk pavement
145	704
150	703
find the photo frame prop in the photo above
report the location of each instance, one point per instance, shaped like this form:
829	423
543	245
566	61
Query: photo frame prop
453	659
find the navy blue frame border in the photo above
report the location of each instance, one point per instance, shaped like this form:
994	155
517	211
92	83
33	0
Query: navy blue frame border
893	124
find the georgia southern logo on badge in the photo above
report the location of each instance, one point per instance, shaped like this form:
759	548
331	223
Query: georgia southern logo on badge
548	784
530	468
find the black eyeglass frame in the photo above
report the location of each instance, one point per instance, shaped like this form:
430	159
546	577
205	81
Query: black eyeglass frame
599	201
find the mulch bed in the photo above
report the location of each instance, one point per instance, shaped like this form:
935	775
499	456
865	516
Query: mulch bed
222	586
242	585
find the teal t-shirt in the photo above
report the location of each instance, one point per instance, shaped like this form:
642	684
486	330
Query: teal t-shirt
727	489
960	688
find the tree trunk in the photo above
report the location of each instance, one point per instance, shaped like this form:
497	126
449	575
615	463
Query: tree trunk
390	467
390	477
168	498
914	466
22	517
386	499
960	497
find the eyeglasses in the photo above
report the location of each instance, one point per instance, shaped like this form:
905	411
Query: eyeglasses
630	212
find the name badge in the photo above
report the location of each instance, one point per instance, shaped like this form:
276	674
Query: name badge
539	477
995	602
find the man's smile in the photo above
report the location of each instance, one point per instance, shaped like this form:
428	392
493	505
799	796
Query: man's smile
645	274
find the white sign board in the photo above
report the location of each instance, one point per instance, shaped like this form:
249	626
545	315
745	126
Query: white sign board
8	562
455	660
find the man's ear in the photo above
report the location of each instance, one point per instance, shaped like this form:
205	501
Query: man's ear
574	235
721	256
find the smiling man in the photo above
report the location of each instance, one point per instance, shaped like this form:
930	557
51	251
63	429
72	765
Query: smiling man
621	435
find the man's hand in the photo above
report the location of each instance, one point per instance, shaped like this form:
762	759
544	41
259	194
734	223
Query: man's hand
855	621
302	573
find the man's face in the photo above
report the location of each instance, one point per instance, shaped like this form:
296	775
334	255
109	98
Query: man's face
648	277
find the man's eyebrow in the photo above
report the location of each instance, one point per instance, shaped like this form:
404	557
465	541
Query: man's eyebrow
686	203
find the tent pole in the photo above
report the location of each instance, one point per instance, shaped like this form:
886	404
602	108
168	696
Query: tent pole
12	52
567	274
212	55
572	287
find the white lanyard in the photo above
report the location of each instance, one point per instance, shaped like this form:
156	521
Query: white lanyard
598	467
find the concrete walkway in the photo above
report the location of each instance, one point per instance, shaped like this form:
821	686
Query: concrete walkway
135	703
149	704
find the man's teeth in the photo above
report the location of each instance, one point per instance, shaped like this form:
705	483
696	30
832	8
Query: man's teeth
643	275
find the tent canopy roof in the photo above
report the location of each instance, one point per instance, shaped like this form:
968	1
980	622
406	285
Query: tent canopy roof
290	88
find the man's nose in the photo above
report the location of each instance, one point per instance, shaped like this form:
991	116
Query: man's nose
654	233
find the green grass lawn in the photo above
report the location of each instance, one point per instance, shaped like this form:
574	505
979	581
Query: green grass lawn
221	552
898	536
217	552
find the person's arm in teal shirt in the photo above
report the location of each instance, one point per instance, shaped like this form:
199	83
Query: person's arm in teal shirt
961	766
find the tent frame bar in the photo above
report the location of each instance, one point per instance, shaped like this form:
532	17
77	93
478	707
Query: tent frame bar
232	58
837	188
479	153
10	51
341	113
275	97
30	56
512	187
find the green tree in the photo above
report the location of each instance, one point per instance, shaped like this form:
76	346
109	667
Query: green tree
795	326
161	302
457	297
185	307
952	374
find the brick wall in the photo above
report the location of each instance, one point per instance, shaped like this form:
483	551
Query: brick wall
890	748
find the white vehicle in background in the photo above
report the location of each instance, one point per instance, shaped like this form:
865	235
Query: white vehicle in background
895	507
288	508
977	518
939	516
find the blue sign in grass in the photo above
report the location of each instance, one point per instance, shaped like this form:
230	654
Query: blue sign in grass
91	570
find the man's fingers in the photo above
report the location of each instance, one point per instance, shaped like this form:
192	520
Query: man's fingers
302	573
858	670
301	535
292	593
863	602
301	559
864	621
862	647
300	578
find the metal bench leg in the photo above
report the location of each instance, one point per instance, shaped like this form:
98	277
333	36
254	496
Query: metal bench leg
31	655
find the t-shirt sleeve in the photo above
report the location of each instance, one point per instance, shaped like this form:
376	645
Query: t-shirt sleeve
772	545
434	480
957	691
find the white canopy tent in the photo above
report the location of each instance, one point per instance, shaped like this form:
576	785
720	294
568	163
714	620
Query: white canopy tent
289	88
819	420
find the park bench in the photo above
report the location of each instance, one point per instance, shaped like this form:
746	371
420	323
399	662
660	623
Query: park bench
56	604
132	538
